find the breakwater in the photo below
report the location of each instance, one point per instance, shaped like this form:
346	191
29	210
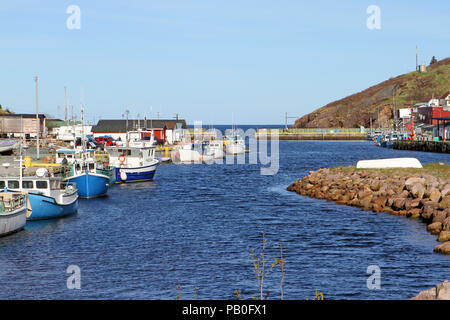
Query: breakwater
427	146
312	134
414	193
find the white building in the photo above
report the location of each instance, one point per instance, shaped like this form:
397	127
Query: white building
67	133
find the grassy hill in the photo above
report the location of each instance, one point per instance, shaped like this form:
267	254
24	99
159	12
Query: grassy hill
357	109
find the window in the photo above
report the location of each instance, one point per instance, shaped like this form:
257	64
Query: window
2	184
41	184
27	184
13	184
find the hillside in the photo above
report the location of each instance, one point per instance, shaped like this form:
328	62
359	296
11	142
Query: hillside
357	109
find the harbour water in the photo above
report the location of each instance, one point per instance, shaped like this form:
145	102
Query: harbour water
193	225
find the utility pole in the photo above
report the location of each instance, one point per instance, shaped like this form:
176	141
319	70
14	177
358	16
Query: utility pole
65	105
38	125
417	58
286	120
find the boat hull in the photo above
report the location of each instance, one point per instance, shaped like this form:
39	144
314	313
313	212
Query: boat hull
90	185
13	222
47	208
235	149
126	175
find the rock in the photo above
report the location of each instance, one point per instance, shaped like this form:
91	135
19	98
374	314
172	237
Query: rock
445	190
435	196
446	224
439	216
444	236
428	209
409	183
434	228
399	203
429	294
417	190
443	290
443	248
445	202
413	213
440	292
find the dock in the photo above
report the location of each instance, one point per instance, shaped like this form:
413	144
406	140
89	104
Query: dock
418	145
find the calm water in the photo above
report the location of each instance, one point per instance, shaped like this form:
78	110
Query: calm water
193	226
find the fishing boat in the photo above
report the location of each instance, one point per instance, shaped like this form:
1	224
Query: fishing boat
13	212
49	197
235	145
215	149
133	164
82	170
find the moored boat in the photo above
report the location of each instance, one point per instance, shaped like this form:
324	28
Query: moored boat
133	164
83	171
13	212
49	197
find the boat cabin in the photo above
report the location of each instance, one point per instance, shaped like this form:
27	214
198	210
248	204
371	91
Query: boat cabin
130	156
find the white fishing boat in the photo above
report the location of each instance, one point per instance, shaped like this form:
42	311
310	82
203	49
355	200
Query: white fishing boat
389	163
133	164
13	212
190	153
235	145
215	149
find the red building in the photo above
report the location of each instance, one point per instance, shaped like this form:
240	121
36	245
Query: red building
426	114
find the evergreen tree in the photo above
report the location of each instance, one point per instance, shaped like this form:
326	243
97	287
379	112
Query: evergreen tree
433	60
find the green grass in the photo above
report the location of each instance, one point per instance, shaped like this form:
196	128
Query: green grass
435	169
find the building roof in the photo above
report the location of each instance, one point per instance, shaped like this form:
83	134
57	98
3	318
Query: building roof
134	124
442	118
446	95
23	115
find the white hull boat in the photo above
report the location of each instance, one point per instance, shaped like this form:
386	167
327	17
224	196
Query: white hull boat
389	163
13	212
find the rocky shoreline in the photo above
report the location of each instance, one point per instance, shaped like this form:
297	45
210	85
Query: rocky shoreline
413	193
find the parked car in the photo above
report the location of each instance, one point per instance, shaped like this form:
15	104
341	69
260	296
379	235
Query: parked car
106	141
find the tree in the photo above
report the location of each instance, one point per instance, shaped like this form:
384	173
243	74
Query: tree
433	60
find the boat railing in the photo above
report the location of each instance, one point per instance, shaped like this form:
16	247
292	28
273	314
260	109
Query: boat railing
69	187
12	201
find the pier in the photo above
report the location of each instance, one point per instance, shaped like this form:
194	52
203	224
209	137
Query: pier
427	146
313	134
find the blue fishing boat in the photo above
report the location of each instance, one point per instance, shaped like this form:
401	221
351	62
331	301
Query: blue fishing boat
133	164
49	197
82	170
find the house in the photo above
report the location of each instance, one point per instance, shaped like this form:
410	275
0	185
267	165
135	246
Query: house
68	132
168	131
22	125
445	101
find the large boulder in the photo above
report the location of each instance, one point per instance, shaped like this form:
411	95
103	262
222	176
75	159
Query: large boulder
417	190
443	248
434	228
440	292
444	236
435	195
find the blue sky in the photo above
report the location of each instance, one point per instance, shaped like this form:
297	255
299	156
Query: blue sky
209	60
